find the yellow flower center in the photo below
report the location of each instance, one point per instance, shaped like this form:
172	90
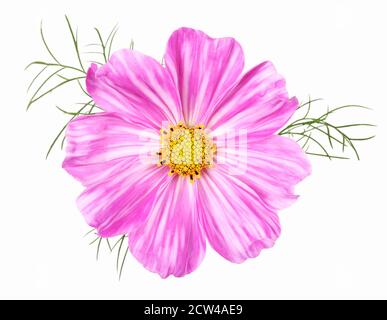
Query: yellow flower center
186	150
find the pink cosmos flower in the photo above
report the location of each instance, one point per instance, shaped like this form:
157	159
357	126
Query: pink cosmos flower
195	189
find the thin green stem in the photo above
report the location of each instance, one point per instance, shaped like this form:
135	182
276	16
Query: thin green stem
96	239
306	141
323	155
45	44
111	43
308	103
119	252
102	44
65	126
108	243
356	125
362	139
118	241
53	65
71	113
92	230
36	77
32	100
122	263
52	89
62	77
83	89
98	247
323	116
317	142
75	42
111	34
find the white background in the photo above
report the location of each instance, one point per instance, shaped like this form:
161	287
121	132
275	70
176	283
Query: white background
334	240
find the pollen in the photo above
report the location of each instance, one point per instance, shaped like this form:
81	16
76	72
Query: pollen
186	150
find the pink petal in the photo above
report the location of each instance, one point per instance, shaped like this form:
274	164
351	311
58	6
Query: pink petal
170	240
203	69
236	221
135	85
121	201
105	153
274	166
259	103
97	144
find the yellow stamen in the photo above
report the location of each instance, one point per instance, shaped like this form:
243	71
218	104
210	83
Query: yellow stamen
186	150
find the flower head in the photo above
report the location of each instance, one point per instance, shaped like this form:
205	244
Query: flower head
185	153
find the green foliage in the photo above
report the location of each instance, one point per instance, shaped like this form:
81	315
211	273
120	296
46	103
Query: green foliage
119	248
53	75
321	134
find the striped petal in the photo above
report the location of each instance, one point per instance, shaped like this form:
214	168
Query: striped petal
203	69
120	202
259	103
236	221
272	168
170	240
110	157
137	86
98	144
